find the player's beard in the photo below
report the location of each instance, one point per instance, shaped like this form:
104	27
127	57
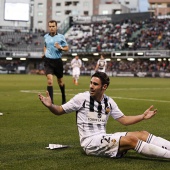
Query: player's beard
95	94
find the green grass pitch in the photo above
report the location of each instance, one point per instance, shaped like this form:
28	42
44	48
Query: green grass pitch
27	127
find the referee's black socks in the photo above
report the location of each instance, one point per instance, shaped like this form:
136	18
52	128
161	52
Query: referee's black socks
50	90
62	88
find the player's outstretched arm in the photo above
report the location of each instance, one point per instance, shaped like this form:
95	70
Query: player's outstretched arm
57	110
129	120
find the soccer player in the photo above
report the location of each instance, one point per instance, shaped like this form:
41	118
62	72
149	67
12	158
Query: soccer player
76	64
93	109
55	43
101	64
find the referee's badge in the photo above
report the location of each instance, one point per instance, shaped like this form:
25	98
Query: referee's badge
107	110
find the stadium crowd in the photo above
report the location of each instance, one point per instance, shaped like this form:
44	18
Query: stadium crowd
148	34
21	41
97	37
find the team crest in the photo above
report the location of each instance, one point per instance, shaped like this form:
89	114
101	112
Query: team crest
113	141
107	110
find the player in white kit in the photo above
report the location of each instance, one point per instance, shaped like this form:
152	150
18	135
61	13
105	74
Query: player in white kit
93	109
101	64
76	64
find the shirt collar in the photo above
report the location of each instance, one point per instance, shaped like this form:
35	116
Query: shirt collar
51	35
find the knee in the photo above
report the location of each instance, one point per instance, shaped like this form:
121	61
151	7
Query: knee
50	82
60	82
144	132
128	142
144	135
132	141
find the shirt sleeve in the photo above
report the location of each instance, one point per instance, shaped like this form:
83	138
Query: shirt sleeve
64	43
73	104
44	40
115	111
72	62
105	63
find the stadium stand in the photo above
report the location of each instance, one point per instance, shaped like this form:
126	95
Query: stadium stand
96	37
150	34
22	41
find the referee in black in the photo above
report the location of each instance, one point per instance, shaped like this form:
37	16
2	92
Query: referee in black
55	43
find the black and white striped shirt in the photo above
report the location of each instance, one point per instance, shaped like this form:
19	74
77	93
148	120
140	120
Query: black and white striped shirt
92	116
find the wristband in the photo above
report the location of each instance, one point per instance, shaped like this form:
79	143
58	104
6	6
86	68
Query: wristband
61	48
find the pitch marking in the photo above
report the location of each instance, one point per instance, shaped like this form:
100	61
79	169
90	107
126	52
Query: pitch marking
114	97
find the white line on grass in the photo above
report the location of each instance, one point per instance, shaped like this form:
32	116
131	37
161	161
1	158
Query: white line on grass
116	89
114	97
150	100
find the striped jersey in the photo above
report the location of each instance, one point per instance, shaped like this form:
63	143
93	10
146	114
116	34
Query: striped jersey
92	116
51	51
102	63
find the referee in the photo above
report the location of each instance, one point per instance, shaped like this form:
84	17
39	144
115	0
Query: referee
55	43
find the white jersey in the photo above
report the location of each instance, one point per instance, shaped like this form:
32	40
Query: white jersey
92	116
102	63
76	63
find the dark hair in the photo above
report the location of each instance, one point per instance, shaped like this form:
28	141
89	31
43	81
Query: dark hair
51	21
103	77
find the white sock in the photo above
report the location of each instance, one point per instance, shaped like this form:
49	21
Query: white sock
151	150
158	141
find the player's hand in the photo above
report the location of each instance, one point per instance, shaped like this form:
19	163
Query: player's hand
149	113
45	100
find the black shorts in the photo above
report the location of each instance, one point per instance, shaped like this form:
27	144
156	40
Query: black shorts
54	67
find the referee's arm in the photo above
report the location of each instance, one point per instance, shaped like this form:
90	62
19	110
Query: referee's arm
62	48
44	52
65	48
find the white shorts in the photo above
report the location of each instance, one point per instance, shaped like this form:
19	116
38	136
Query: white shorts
105	145
76	71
